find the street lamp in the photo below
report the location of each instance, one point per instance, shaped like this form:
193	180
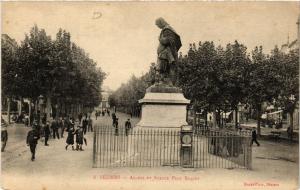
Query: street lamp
239	112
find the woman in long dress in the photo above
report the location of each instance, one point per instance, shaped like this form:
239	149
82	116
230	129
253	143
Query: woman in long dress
70	138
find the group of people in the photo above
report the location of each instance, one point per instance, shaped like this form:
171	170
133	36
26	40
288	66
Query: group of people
115	124
103	112
76	128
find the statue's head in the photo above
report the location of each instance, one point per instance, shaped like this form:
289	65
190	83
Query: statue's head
161	23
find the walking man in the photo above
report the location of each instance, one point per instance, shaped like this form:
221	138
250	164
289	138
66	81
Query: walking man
289	132
96	114
62	124
47	132
127	126
254	137
4	135
84	125
116	123
90	124
113	115
32	140
54	126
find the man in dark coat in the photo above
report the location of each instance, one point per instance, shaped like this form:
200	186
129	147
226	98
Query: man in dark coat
127	126
96	114
167	51
90	124
116	125
113	116
84	125
4	135
54	127
47	132
254	138
32	140
62	124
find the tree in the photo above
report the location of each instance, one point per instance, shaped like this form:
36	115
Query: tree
127	95
202	77
263	82
34	56
58	70
288	75
9	71
236	74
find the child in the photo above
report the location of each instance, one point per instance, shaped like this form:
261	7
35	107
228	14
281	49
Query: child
79	138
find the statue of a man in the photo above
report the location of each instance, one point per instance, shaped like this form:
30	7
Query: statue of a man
167	51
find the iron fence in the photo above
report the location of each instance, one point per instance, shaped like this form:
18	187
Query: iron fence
161	147
226	149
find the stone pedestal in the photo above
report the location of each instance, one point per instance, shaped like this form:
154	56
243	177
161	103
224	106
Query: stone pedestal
163	107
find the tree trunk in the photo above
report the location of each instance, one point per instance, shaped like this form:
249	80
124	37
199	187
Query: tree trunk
20	106
236	117
194	118
258	118
79	108
214	118
71	110
219	118
205	119
67	109
8	109
29	117
222	119
36	106
291	124
48	107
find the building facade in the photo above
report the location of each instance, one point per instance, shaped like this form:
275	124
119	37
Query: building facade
105	93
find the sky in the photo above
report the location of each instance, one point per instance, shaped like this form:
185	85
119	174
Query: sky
122	37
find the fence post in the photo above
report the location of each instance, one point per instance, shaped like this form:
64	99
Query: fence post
94	147
249	154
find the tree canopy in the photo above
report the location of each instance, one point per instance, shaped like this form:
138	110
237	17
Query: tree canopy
57	68
221	78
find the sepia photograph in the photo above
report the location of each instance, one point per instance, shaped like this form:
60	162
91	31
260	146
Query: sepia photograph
144	95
